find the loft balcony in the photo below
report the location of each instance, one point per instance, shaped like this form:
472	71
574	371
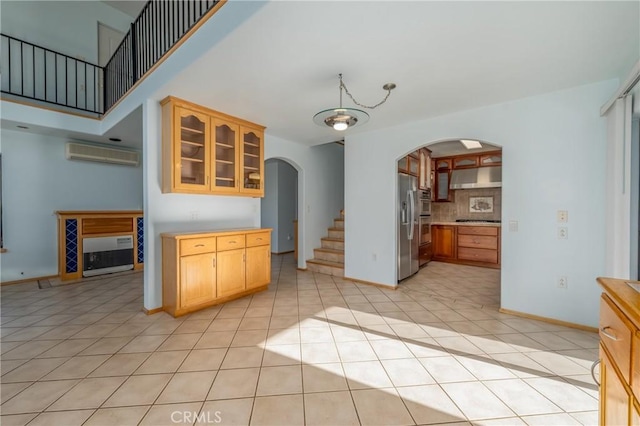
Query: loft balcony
47	78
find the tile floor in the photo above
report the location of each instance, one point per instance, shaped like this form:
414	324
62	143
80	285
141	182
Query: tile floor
312	350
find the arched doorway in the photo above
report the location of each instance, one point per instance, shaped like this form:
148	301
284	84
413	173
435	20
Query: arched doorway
457	219
279	207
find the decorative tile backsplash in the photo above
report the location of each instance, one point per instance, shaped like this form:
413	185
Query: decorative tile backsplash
459	208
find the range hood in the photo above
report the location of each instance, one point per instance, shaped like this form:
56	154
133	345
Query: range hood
480	177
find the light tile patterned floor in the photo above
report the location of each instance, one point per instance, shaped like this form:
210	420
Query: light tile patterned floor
312	350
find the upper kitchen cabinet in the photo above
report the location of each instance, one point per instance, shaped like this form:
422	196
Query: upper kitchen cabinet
441	191
465	162
409	164
425	180
491	159
252	148
209	152
190	133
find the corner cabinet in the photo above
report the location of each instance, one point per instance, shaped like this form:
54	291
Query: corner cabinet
209	152
207	268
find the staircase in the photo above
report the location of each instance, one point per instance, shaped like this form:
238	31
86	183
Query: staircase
329	258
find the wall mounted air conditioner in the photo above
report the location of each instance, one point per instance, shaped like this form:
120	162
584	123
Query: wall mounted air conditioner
78	151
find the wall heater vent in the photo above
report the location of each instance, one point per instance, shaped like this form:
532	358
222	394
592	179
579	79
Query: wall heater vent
78	151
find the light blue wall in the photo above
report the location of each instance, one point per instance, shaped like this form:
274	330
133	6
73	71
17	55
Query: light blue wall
554	151
69	27
37	180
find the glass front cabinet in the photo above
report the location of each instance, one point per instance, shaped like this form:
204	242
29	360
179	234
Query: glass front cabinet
207	152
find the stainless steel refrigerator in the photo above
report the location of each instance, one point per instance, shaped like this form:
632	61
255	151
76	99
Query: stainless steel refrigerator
407	218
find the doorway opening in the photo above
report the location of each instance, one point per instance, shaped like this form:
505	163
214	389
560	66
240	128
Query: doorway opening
457	215
279	207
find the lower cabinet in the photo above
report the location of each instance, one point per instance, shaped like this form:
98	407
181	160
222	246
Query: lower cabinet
197	279
206	268
443	241
258	266
614	399
231	272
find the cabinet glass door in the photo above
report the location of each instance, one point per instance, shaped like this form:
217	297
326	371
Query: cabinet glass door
442	186
252	151
225	156
193	131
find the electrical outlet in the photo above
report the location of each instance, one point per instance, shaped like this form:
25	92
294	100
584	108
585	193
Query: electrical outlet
193	215
563	216
563	233
289	237
513	226
563	282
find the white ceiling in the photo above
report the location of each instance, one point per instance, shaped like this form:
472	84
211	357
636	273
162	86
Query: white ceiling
279	67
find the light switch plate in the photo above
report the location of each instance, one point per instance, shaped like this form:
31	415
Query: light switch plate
513	226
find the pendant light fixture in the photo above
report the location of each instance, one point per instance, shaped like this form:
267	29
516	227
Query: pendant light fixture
342	118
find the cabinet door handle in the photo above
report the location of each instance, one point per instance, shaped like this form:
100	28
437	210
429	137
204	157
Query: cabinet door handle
232	242
604	331
214	262
258	239
199	245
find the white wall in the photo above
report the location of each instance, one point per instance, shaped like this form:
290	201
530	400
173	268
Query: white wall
69	27
38	180
554	149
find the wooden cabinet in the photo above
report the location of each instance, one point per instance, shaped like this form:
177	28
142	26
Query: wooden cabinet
258	266
409	164
425	254
441	191
231	272
466	162
478	244
443	242
491	159
468	245
619	351
206	268
209	152
425	176
197	279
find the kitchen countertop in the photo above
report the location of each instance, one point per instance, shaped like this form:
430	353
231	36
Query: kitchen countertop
467	224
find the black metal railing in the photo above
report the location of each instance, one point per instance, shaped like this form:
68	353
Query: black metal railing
42	74
158	27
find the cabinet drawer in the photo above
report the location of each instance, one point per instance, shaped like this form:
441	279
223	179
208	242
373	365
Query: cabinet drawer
615	335
258	239
478	254
197	245
478	230
478	241
230	242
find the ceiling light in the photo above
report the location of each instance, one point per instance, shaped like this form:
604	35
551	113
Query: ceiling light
470	144
341	118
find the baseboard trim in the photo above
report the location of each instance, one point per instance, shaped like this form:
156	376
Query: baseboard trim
151	311
26	280
385	286
549	320
282	252
301	269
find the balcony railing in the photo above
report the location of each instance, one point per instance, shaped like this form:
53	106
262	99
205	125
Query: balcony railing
41	74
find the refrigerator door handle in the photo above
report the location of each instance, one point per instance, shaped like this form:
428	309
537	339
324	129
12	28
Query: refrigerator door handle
412	213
